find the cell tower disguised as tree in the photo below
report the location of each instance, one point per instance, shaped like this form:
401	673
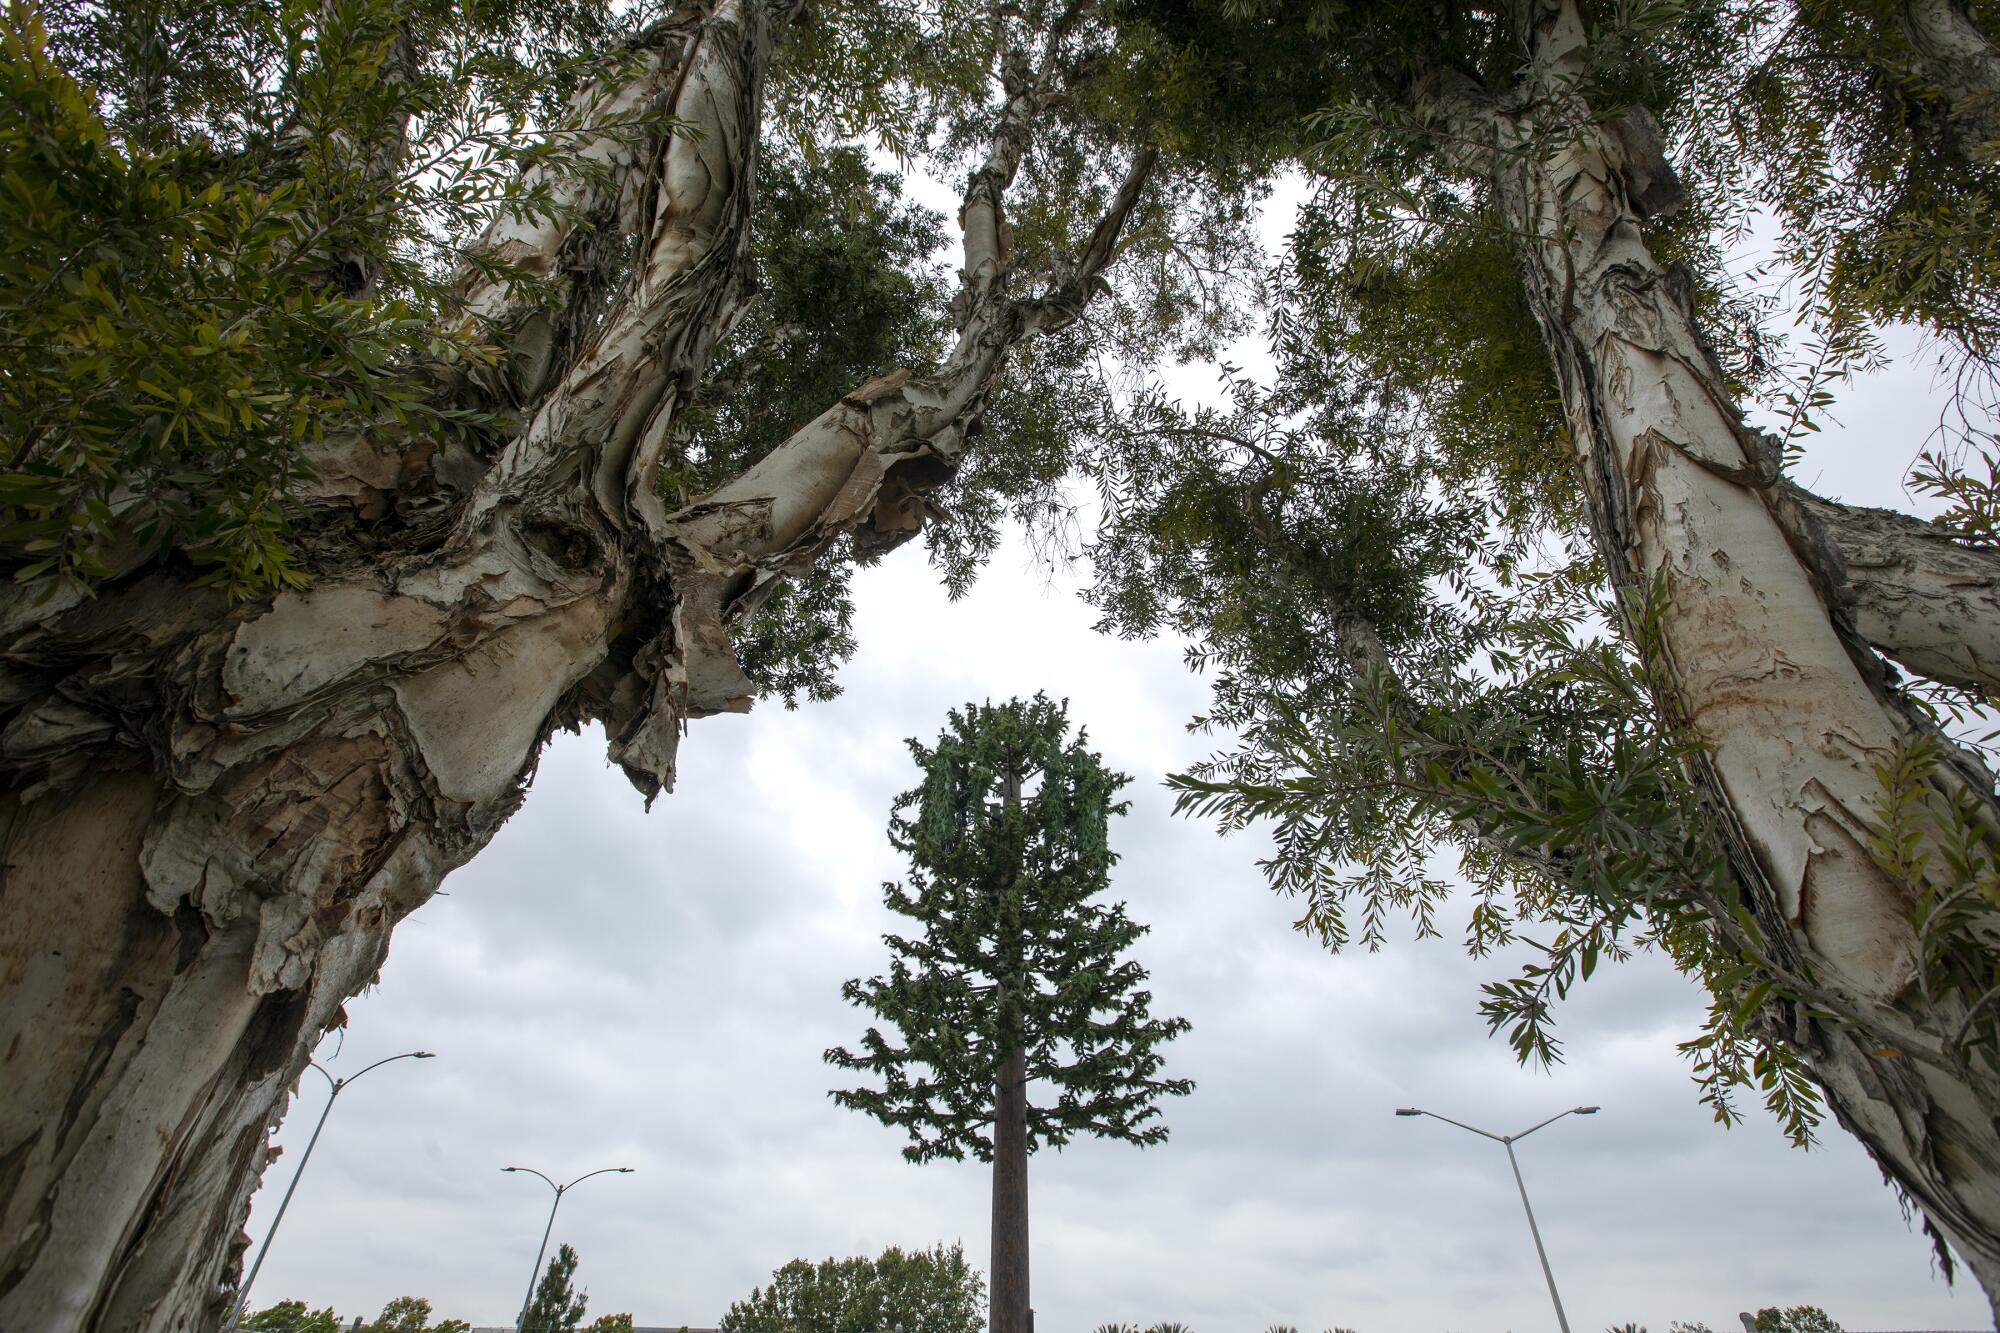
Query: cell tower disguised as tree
1015	981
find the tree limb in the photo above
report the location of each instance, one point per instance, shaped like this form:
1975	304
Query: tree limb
1916	593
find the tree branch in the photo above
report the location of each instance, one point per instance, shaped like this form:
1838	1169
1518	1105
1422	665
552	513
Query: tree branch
1916	593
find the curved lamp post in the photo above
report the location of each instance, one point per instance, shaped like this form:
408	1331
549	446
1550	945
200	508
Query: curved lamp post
535	1273
335	1085
1507	1141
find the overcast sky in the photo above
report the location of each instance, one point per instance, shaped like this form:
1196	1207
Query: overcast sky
610	987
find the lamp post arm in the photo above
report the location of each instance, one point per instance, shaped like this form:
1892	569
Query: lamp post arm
602	1170
529	1170
1516	1138
1497	1138
406	1055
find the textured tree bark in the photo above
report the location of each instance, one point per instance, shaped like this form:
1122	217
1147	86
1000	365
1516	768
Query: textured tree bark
221	812
1957	59
1758	662
213	816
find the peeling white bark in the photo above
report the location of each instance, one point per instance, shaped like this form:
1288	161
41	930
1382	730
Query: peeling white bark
212	817
1790	709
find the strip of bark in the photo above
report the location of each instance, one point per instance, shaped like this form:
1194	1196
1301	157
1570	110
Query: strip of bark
1960	62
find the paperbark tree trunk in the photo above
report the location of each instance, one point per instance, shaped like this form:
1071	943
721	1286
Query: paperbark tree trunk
213	816
1756	659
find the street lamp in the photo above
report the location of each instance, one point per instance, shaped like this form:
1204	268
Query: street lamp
522	1321
1507	1141
335	1085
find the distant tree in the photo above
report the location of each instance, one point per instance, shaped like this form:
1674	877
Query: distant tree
1016	977
291	1317
1795	1319
920	1291
557	1306
405	1314
412	1314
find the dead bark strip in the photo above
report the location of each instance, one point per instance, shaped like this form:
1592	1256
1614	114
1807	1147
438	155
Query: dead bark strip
212	816
1742	623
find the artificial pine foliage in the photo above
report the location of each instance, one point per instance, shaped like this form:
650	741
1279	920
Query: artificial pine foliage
1006	838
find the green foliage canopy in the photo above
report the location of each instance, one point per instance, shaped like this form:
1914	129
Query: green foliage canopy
291	1317
412	1314
917	1291
559	1305
1795	1319
230	233
404	1314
